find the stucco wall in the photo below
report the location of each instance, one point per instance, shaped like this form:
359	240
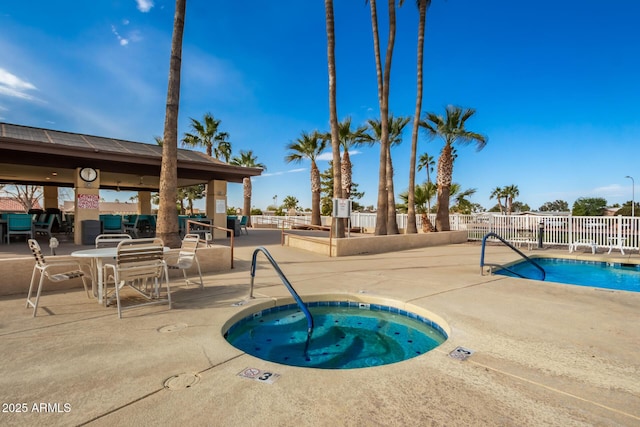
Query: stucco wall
369	244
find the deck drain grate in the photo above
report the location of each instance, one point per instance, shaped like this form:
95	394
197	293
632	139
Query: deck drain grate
181	381
461	353
172	328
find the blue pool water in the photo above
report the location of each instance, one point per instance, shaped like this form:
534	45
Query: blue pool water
344	337
583	273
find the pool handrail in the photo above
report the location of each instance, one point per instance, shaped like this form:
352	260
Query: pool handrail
287	284
482	263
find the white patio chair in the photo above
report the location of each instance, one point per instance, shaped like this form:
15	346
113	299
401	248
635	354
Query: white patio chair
138	261
107	241
44	268
187	257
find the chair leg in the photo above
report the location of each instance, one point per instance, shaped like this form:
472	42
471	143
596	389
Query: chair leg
33	279
35	306
199	273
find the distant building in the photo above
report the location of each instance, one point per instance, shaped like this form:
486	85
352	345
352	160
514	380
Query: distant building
11	205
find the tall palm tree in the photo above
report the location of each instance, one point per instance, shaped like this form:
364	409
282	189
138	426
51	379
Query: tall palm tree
396	127
206	134
310	146
451	129
498	193
339	227
167	225
248	160
383	78
510	193
411	214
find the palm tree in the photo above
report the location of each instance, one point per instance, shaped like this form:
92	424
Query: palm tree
310	146
411	214
206	135
383	78
498	193
167	225
289	203
422	198
452	130
248	160
510	193
427	162
338	230
348	138
463	204
396	127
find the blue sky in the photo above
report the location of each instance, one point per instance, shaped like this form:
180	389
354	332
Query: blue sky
554	84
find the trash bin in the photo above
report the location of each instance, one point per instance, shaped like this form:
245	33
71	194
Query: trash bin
90	230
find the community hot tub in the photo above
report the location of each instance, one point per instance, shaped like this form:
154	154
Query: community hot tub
348	333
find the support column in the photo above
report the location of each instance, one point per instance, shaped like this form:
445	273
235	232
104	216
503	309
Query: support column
216	206
144	202
50	196
87	204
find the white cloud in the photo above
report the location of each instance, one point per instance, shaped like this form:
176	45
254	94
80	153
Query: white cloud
282	172
144	5
328	155
13	86
122	40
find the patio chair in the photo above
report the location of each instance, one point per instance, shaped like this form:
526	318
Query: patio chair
138	261
19	224
44	225
187	257
111	240
243	224
112	224
131	225
44	268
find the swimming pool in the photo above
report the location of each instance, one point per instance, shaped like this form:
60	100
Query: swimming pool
624	277
346	335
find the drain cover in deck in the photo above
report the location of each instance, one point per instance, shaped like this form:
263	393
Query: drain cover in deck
182	381
461	353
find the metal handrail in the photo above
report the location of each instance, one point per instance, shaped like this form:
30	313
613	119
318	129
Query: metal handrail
482	263
287	284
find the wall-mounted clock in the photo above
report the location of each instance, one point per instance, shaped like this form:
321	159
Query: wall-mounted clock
88	174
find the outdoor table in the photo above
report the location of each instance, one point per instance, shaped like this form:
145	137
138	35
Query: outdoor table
98	255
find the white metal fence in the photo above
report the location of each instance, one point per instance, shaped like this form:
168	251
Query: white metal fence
601	231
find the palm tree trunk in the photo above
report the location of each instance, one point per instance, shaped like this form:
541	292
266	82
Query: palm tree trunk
445	171
246	208
167	226
392	222
411	211
338	228
392	226
381	211
346	174
315	195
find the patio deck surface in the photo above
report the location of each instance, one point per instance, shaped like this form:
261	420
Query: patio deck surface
545	354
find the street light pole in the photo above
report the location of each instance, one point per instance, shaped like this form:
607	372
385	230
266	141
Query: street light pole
633	190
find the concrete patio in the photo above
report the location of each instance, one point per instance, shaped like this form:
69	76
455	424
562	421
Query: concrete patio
545	354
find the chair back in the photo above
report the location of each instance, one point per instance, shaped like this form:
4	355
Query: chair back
111	222
188	249
243	221
37	252
111	240
140	259
19	222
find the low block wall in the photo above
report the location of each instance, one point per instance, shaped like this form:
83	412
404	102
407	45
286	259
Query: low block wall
15	273
375	244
